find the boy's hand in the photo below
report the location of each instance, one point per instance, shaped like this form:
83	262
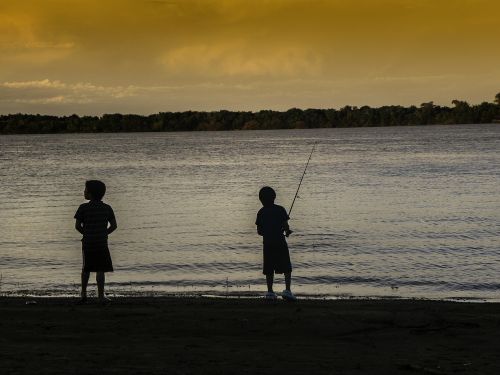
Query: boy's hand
288	232
79	226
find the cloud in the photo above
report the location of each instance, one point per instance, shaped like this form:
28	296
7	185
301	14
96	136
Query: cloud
238	59
51	100
44	83
415	79
48	91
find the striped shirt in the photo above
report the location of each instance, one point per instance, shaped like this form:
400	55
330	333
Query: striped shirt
95	216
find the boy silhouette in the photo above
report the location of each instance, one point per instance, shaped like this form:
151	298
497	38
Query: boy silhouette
92	220
272	225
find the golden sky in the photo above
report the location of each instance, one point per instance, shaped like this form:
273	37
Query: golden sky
146	56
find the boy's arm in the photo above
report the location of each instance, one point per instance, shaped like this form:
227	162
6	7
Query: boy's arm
112	225
286	228
258	222
79	226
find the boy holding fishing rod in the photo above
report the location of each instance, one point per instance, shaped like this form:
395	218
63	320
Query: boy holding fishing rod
272	225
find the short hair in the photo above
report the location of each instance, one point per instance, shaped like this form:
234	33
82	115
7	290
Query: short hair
267	195
96	188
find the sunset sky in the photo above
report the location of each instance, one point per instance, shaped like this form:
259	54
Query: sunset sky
147	56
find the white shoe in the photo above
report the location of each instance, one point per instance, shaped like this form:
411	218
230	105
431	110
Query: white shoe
287	295
271	296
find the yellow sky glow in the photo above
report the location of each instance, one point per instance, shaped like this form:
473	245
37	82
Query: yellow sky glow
145	56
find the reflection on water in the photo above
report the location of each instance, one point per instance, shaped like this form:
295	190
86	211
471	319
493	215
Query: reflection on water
404	211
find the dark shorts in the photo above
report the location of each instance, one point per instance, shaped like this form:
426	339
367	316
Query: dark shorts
96	257
276	257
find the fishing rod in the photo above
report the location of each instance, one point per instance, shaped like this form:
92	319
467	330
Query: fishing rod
303	174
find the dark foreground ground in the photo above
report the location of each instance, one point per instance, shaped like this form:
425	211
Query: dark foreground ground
244	336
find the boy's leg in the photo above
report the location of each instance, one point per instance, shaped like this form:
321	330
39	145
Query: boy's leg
288	280
100	278
270	281
85	281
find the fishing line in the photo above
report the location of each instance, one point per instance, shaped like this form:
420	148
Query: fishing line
303	174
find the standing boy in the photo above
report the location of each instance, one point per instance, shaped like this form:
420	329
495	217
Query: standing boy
272	225
92	220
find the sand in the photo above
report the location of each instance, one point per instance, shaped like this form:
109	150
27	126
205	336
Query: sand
248	336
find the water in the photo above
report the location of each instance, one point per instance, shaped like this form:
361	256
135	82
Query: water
399	211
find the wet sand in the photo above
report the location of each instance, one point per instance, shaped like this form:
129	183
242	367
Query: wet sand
248	336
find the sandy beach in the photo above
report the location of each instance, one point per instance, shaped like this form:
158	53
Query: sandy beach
213	336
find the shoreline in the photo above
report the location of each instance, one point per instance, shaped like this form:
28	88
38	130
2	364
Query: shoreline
252	295
175	335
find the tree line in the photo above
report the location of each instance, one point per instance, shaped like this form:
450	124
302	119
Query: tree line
426	114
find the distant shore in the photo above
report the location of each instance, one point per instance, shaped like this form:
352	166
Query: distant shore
137	335
294	118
